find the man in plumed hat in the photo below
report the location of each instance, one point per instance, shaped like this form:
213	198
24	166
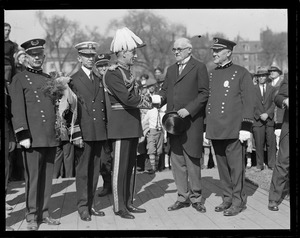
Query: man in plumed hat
263	125
102	61
124	120
229	119
185	90
92	122
34	125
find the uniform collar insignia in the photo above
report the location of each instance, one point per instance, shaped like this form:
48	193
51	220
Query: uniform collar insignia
35	71
225	66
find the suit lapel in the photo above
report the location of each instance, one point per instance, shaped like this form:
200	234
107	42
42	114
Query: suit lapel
189	66
268	90
258	92
85	80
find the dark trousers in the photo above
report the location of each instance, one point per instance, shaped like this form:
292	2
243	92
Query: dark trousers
38	165
64	164
124	159
280	177
186	172
264	135
106	164
7	159
87	174
231	167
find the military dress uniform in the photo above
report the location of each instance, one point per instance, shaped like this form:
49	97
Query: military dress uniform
92	122
229	110
34	118
124	129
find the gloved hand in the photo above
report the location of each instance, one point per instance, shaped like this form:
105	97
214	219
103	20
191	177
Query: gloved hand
277	132
78	142
25	143
244	135
206	141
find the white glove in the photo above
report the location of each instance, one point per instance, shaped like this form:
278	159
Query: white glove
25	143
277	132
244	136
206	141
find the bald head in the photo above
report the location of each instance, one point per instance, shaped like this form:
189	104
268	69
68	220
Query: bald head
183	42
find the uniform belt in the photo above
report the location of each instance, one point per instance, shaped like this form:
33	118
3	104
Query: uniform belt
119	106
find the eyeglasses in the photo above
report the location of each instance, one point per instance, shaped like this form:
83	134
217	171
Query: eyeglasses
179	49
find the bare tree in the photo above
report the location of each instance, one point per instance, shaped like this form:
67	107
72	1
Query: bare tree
61	35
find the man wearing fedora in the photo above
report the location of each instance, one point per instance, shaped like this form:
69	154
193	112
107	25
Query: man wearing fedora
34	125
91	117
263	126
102	62
276	78
280	176
229	118
185	90
124	120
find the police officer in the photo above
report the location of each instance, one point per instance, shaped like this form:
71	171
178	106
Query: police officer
101	64
229	118
124	119
34	125
91	117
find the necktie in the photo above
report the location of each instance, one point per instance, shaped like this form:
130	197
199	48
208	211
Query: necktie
91	76
181	66
263	91
158	123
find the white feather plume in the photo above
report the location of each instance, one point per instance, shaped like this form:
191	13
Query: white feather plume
124	39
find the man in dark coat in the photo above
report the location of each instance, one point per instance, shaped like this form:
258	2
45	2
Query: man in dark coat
229	118
280	175
34	125
185	90
263	125
91	118
124	120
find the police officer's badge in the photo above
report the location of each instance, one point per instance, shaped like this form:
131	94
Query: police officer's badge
226	84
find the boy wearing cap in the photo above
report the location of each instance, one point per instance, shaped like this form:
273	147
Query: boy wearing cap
229	119
34	124
91	116
124	120
263	125
155	134
185	90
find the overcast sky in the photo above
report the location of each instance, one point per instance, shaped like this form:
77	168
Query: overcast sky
248	23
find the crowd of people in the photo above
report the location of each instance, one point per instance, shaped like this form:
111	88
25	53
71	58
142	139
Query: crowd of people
104	121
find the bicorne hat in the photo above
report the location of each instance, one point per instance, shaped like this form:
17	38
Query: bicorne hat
173	123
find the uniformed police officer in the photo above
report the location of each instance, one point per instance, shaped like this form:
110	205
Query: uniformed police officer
229	118
34	125
124	119
91	117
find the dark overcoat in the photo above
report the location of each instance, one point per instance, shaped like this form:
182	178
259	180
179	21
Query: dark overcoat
91	106
264	105
33	113
188	90
230	106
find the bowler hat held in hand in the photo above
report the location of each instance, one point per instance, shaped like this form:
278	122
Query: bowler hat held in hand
173	123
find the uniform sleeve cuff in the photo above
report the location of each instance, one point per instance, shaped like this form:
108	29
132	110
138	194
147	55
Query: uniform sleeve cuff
247	125
22	135
278	126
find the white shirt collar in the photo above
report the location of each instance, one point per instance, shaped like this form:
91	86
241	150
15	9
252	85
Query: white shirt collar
86	70
274	81
185	60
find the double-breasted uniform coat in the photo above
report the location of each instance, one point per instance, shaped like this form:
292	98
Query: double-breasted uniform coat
263	131
188	90
230	109
92	122
280	176
123	128
34	118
